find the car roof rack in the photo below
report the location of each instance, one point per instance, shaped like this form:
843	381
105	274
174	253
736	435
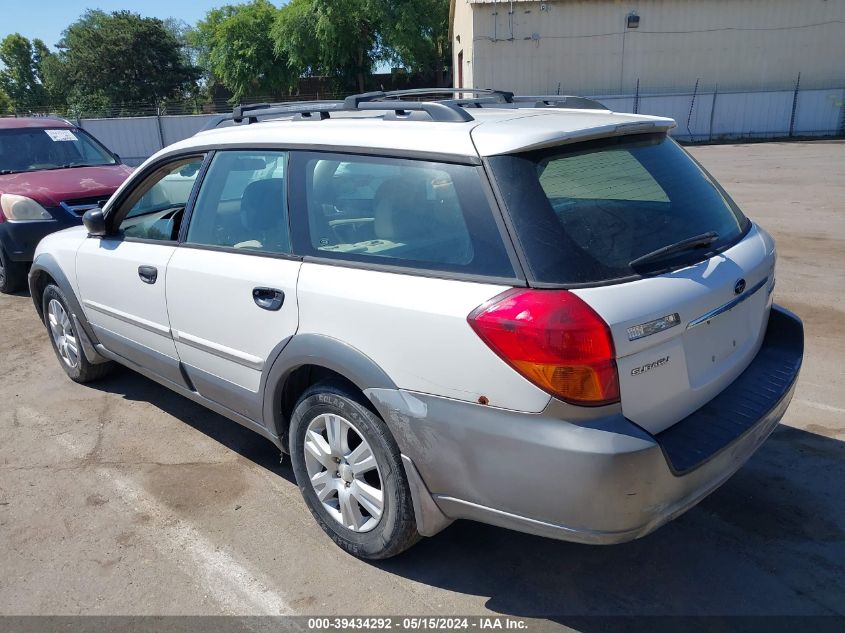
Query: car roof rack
404	103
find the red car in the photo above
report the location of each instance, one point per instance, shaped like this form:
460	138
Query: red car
51	172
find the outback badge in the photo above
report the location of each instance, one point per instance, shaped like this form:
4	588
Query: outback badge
636	371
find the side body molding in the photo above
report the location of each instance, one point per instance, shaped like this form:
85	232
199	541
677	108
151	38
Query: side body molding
45	263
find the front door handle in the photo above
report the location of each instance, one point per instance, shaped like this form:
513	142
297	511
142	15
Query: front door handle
268	298
148	274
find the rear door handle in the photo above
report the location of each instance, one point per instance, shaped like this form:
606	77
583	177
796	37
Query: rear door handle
268	298
148	274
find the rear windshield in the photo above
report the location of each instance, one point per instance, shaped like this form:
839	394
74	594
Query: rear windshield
36	149
584	212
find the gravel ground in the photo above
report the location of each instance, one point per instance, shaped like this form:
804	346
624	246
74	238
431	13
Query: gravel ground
123	498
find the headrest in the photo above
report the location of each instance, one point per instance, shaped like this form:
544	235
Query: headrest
262	204
401	209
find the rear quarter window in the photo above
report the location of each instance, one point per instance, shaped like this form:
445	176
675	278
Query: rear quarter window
583	212
397	212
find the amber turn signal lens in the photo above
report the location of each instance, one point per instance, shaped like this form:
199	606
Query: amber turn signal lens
553	339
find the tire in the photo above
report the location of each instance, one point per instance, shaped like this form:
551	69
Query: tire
64	337
357	527
12	274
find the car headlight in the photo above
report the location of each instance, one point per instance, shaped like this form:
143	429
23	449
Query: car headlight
22	209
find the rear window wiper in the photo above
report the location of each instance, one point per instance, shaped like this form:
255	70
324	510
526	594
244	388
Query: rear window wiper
697	241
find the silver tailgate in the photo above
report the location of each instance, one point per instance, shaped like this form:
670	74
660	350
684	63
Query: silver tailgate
667	375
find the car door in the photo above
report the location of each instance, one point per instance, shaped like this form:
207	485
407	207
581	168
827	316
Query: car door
231	285
122	276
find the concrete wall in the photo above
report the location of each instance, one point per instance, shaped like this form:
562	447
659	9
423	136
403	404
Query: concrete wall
584	46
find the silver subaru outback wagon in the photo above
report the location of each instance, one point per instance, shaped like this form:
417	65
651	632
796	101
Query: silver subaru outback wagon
526	311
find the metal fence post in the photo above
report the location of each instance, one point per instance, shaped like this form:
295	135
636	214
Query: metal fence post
637	98
794	106
713	112
842	113
160	131
691	106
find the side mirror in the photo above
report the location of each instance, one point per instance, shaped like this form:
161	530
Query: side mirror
94	222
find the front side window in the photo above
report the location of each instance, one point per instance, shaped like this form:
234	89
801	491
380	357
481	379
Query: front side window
242	203
34	149
589	212
156	207
411	213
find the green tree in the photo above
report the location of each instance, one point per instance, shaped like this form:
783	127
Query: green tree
416	35
19	78
339	38
128	61
234	47
50	71
5	103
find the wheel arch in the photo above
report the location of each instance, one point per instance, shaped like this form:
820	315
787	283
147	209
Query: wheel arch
38	281
46	270
309	358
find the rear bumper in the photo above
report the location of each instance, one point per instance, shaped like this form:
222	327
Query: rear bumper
19	239
598	480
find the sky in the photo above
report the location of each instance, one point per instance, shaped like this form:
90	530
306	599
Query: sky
46	19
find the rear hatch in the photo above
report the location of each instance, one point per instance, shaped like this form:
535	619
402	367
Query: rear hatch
666	374
612	220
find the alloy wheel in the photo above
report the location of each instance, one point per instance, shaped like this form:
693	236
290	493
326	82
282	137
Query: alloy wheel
343	472
62	333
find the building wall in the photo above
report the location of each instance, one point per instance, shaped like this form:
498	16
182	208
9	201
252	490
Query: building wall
583	46
462	44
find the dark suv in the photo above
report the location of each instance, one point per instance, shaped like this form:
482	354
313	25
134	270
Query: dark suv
51	172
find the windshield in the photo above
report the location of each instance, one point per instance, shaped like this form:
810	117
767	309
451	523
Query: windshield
33	149
584	213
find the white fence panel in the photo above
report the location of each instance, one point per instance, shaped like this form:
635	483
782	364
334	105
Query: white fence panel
677	107
617	103
752	114
134	139
176	128
818	111
725	115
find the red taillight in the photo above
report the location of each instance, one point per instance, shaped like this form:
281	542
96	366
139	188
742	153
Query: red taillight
2	216
555	340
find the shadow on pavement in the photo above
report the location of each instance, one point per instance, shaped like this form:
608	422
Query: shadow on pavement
243	441
771	541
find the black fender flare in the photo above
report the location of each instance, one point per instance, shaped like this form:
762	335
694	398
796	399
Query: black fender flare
364	373
45	263
322	351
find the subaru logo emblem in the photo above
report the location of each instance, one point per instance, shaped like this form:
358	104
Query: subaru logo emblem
739	286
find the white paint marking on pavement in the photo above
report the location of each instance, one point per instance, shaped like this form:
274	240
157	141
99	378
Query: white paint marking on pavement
820	405
231	584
